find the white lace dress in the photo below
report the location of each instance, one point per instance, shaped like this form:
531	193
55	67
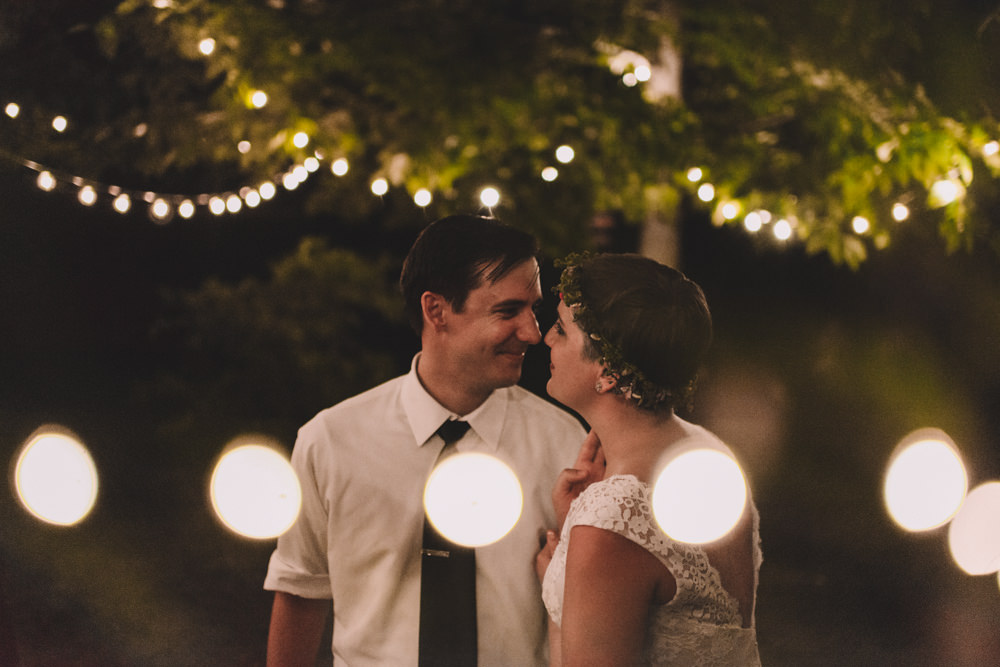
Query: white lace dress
701	625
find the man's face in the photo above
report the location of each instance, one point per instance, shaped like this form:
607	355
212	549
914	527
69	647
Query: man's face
488	339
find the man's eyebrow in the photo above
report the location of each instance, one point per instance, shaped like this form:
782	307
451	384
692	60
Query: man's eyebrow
511	303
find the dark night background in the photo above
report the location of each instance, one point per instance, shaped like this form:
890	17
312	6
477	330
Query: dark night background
134	335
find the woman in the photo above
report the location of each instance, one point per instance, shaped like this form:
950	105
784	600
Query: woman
625	348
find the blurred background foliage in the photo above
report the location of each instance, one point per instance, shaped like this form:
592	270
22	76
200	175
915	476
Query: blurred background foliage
818	113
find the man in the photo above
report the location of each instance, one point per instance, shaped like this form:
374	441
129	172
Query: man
470	286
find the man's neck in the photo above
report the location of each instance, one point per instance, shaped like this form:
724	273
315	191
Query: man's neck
446	386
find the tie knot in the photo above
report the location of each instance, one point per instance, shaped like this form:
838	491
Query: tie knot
452	430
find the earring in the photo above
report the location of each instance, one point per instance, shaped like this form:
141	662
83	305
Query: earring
599	388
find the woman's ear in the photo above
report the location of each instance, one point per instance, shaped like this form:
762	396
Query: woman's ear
433	306
605	383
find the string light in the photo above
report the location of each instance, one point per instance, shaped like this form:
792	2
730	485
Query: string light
258	99
422	197
380	186
251	197
87	195
159	209
122	203
46	181
782	230
944	192
941	193
206	46
489	196
730	210
631	66
339	167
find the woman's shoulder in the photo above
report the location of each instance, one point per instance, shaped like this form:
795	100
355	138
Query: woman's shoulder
620	503
615	488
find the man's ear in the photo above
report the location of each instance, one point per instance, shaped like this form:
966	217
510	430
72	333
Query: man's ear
434	307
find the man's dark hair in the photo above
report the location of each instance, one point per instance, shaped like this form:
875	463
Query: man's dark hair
451	257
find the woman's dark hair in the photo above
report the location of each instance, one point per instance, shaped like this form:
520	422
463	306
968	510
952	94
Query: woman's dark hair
657	319
455	255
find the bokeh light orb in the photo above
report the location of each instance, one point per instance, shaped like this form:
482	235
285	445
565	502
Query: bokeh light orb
900	212
489	197
565	154
55	478
340	166
926	481
186	208
699	496
473	499
944	192
974	533
258	99
255	492
782	230
422	197
267	190
380	186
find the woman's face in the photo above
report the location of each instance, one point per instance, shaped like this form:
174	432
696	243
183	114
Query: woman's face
573	375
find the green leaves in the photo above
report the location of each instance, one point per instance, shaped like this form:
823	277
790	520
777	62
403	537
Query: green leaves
810	112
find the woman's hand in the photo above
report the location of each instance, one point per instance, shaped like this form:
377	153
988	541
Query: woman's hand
544	556
589	468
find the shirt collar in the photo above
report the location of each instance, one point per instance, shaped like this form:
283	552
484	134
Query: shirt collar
425	414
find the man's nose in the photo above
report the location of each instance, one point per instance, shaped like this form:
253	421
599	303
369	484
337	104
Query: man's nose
529	331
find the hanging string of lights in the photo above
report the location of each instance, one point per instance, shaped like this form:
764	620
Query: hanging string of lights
163	206
633	68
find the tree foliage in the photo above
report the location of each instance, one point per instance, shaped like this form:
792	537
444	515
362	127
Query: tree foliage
817	113
325	323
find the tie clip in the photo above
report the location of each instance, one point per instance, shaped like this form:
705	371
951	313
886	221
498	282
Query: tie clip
435	552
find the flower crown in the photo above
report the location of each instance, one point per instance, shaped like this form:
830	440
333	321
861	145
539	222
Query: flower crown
630	382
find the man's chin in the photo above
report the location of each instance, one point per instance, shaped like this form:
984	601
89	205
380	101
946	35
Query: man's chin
508	378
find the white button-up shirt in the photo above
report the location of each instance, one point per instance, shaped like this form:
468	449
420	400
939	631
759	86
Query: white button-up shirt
362	465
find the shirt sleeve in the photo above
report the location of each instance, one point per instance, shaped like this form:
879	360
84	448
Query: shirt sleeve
299	563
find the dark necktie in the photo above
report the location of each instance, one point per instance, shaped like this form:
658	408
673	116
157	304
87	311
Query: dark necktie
447	589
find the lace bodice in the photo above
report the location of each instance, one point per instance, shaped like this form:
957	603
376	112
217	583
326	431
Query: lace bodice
702	624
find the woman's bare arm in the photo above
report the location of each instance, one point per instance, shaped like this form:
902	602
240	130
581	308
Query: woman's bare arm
611	585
